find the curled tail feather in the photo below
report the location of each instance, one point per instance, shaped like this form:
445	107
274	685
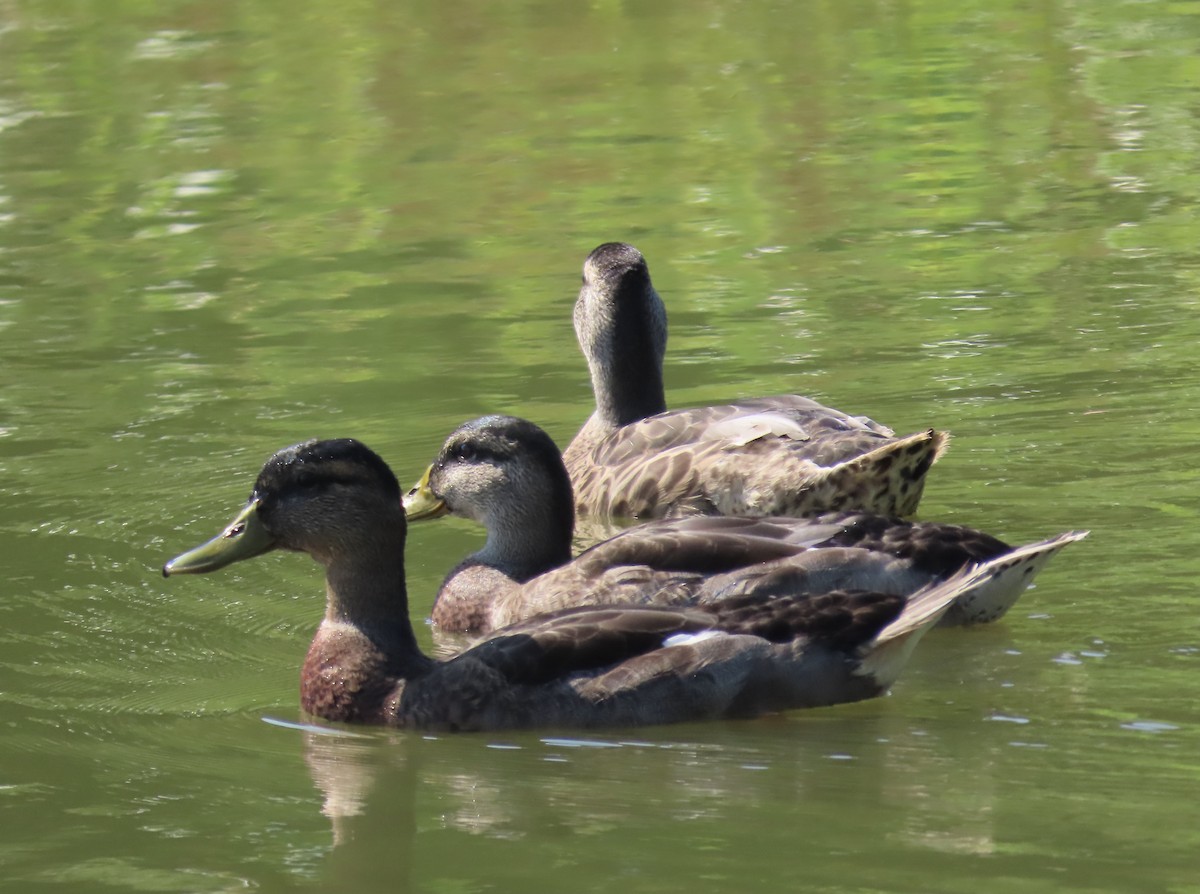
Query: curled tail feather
887	654
892	476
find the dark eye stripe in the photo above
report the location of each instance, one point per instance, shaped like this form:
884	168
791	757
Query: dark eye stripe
473	453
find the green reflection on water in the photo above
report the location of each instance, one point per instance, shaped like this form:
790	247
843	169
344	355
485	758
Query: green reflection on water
226	227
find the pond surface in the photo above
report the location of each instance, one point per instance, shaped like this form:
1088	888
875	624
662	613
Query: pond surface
226	227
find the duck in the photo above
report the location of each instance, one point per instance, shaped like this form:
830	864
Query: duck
782	455
506	474
339	502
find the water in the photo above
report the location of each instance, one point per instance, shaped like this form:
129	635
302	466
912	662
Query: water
226	227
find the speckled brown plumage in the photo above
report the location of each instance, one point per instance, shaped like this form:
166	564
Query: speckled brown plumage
624	666
506	474
785	455
347	677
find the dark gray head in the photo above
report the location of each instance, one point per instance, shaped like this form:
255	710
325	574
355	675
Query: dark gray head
328	496
621	325
330	499
508	475
316	465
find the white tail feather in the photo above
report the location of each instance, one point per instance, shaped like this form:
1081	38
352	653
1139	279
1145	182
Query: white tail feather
890	650
992	598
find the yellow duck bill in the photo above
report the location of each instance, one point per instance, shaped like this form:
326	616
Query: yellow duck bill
420	502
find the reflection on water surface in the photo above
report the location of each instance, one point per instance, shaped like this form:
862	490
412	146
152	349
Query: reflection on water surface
228	227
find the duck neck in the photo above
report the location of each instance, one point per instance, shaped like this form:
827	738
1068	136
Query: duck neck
624	336
627	389
365	647
531	539
367	592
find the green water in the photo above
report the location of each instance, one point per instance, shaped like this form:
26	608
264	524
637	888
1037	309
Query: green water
226	227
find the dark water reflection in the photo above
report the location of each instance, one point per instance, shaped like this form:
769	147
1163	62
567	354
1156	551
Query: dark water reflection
225	227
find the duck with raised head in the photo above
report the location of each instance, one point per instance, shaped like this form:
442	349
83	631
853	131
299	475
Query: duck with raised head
785	455
609	666
506	474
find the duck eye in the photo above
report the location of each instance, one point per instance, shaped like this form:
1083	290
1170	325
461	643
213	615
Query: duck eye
465	452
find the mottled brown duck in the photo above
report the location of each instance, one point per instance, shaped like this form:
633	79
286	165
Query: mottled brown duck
784	455
613	666
507	474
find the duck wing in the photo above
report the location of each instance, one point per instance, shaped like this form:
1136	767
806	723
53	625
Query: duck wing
553	646
704	545
733	426
724	460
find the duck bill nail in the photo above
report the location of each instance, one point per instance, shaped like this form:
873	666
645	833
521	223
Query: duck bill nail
245	537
